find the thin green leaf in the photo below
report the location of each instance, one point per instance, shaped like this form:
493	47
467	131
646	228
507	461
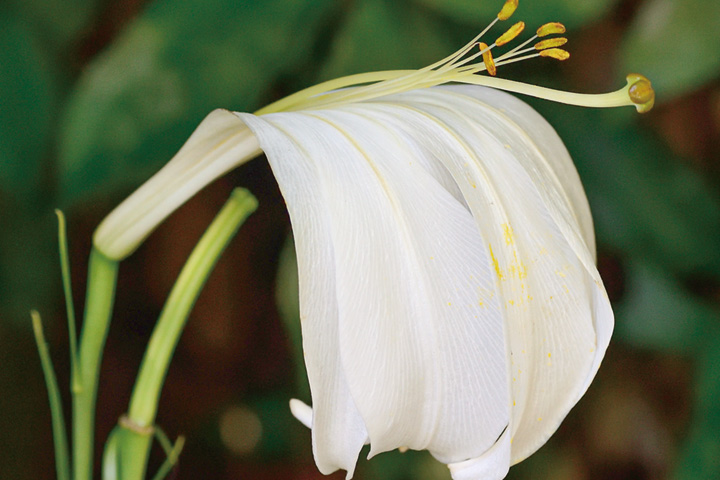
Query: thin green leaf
70	308
62	458
172	452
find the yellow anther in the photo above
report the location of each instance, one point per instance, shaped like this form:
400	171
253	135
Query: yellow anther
550	28
511	33
488	59
556	53
641	92
551	43
508	9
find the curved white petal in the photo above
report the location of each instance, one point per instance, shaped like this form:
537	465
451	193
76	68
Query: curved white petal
219	144
301	411
448	287
492	465
338	430
557	314
420	331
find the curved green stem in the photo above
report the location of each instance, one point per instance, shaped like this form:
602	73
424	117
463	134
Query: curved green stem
102	278
137	426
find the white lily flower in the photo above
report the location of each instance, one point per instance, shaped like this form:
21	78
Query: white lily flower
448	290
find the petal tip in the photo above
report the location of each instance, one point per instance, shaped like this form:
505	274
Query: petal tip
301	411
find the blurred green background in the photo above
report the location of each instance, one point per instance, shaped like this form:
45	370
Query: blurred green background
95	95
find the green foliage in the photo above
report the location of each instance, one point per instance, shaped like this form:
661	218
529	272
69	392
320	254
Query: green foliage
645	202
58	22
675	43
29	97
534	13
700	455
142	97
657	312
67	140
386	35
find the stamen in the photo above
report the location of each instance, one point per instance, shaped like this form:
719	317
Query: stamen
556	53
488	59
550	28
508	9
641	92
551	43
511	33
463	67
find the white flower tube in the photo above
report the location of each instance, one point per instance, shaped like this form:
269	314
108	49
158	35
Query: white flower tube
448	291
447	283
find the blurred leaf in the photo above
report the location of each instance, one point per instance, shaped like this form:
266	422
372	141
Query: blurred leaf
29	273
571	13
387	35
394	465
288	302
675	43
657	313
60	22
700	454
139	101
644	201
28	98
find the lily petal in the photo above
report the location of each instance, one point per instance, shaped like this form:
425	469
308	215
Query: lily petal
421	335
337	427
219	144
557	314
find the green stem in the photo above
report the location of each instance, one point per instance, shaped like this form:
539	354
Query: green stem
62	460
137	426
102	277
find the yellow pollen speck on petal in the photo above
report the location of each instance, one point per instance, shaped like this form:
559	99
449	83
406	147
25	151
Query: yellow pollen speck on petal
550	28
539	419
449	304
549	355
551	43
488	59
508	234
511	302
511	33
641	92
507	10
495	263
556	53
